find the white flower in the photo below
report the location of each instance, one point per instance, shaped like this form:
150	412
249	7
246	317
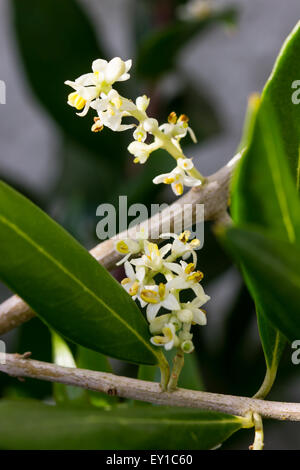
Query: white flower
198	314
153	257
111	109
140	134
89	86
130	246
178	178
140	151
181	247
158	323
157	297
133	283
177	128
191	312
187	278
169	338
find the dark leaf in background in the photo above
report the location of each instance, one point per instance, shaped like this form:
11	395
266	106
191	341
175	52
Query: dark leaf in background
273	265
92	360
157	53
57	43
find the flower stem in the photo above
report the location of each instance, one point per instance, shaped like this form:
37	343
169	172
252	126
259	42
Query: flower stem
258	443
164	371
178	363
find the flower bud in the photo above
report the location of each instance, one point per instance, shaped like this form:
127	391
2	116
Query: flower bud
142	103
115	68
187	347
185	316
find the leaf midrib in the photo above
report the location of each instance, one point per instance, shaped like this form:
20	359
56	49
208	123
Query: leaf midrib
40	249
279	191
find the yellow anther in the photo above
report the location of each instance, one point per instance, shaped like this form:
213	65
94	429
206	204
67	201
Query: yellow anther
125	281
76	100
122	247
184	236
179	188
161	290
168	180
183	118
159	340
136	160
196	276
190	268
168	333
172	118
149	296
97	126
134	288
195	243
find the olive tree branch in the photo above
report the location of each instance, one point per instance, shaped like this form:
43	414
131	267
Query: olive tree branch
17	366
213	194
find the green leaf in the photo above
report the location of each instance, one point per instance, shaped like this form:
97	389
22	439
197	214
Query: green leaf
158	51
69	53
279	91
273	265
33	425
62	356
66	286
264	194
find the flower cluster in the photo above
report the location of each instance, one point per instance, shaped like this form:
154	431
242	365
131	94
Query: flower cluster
156	279
95	90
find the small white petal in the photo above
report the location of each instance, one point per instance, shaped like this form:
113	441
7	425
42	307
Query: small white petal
152	311
129	270
99	65
171	303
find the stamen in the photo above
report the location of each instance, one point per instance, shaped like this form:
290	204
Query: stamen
184	236
172	118
190	268
149	296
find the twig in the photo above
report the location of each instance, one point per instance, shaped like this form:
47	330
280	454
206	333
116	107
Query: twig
214	196
16	365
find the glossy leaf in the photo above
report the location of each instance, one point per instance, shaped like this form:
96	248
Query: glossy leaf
158	51
264	194
283	91
33	425
273	265
65	285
